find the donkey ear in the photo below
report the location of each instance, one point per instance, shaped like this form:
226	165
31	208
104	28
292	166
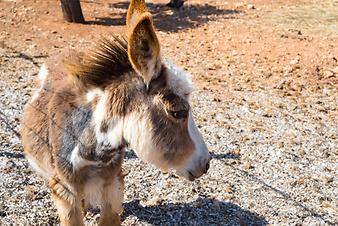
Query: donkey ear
135	10
143	45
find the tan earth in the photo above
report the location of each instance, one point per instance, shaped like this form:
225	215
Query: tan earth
266	101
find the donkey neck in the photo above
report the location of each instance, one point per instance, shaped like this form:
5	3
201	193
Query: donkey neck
110	108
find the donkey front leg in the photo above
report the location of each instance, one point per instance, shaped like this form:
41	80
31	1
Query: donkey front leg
67	204
109	217
111	208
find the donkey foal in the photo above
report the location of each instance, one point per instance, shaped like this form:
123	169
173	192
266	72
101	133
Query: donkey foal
90	107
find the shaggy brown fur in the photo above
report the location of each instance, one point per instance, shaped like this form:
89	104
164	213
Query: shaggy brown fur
101	66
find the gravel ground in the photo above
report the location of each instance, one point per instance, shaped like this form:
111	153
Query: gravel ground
274	147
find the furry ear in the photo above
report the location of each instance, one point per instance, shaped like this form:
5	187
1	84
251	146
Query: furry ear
143	46
135	10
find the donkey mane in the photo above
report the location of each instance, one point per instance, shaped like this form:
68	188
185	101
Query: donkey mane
107	62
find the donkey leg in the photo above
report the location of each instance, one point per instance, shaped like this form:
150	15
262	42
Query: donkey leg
67	204
109	217
112	206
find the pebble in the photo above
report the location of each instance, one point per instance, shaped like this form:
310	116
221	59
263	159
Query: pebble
247	166
328	74
250	6
326	179
295	61
335	70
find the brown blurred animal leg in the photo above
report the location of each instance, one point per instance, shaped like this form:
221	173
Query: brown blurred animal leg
70	211
109	217
112	206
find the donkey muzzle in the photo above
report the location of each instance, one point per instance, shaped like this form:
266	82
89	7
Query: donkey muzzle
197	171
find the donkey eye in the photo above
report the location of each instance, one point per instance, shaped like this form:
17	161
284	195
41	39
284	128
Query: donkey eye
179	114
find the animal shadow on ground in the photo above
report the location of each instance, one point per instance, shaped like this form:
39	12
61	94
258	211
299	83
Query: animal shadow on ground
170	20
203	211
224	156
12	155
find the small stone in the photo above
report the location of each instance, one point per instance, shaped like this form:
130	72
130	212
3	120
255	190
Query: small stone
154	201
229	189
301	152
326	204
211	67
326	179
295	61
247	166
7	166
3	213
235	152
335	70
328	74
250	6
228	197
288	69
30	193
301	180
217	99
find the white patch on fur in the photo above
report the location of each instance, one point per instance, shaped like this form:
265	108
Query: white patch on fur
91	94
99	115
178	80
196	137
98	194
115	132
115	126
77	161
197	162
43	73
137	134
100	111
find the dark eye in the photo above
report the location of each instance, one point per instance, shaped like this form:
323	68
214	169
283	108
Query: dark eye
179	114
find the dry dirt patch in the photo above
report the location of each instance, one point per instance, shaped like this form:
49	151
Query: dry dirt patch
310	17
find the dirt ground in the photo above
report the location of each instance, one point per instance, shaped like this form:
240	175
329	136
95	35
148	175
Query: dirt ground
265	99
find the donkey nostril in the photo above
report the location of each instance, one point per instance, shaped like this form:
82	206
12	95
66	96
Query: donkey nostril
207	167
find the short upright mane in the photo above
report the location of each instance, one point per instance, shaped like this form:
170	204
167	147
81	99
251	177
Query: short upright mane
102	65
